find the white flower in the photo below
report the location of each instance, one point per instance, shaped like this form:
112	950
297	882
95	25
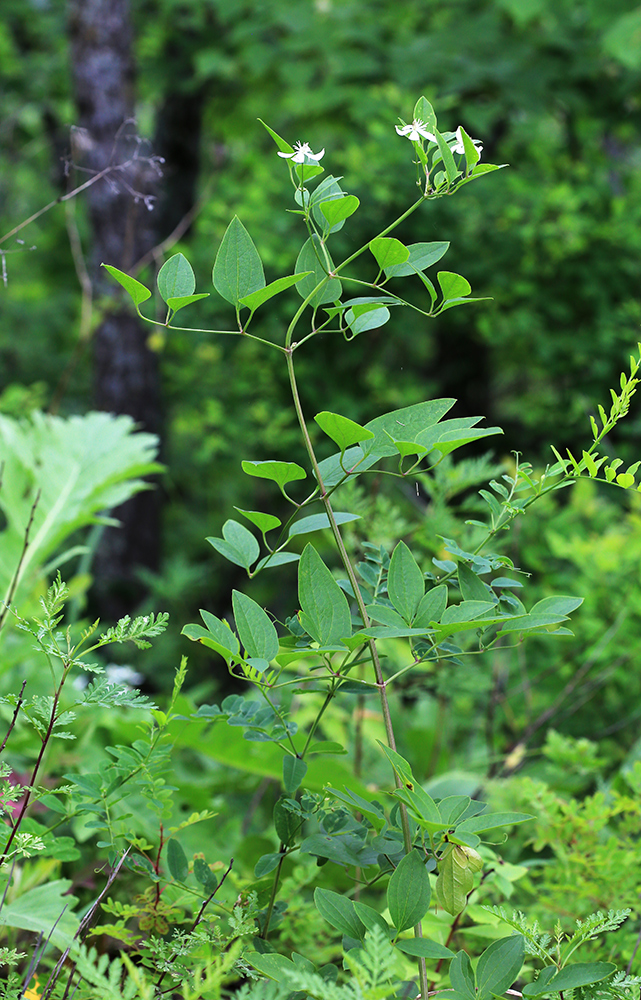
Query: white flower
458	147
415	131
302	152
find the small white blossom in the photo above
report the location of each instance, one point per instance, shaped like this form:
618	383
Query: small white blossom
302	151
415	131
458	147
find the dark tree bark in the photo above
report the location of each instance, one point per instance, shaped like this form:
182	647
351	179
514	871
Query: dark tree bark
126	377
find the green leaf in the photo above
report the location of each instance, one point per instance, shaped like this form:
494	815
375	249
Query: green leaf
134	288
264	522
176	302
280	472
45	910
339	911
343	431
455	879
238	270
385	615
431	606
556	605
423	948
324	608
255	628
570	978
314	258
405	582
177	861
371	918
422	255
266	864
492	821
499	965
451	170
462	976
453	286
294	771
204	875
472	154
472	589
262	295
176	278
281	143
339	209
388	251
276	559
286	824
237	544
408	892
220	631
424	112
318	522
367	316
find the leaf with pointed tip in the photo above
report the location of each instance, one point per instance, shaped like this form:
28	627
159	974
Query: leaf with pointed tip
324	609
280	472
238	545
314	258
177	861
238	269
338	209
282	144
339	911
318	522
264	522
453	285
255	628
134	288
176	278
365	317
388	251
176	302
263	295
405	582
424	112
343	431
451	170
408	892
422	255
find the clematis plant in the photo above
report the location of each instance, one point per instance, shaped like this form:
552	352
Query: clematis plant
328	646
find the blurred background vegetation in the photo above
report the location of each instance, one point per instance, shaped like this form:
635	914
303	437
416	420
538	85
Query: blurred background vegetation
552	89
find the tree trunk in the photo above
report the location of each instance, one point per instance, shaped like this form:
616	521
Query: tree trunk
126	378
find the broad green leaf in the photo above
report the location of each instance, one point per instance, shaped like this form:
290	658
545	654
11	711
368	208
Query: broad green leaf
424	112
423	948
422	255
371	918
455	879
280	472
472	589
431	606
385	615
343	431
466	611
405	582
282	144
556	605
238	269
453	286
176	302
324	609
339	911
499	966
492	821
176	278
388	251
339	209
391	632
177	861
318	522
462	976
328	190
314	258
237	544
357	803
530	623
220	630
264	522
204	875
255	628
198	634
400	766
449	441
341	848
134	288
262	295
286	824
294	771
45	910
266	864
361	318
408	892
573	976
276	967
